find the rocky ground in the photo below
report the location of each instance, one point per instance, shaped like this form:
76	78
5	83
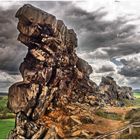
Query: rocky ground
56	98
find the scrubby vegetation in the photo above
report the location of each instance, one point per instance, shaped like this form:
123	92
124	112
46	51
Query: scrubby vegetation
135	134
109	115
133	115
5	113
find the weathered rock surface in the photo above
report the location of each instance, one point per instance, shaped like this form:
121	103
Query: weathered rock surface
113	93
56	96
22	96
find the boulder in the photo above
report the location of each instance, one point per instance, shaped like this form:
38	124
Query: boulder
22	96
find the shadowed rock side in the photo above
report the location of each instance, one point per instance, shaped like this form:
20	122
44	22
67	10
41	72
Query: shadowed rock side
56	91
112	93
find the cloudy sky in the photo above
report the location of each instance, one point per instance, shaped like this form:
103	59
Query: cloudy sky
108	37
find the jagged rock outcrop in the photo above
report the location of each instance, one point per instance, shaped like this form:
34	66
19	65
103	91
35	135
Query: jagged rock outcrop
53	77
113	93
56	98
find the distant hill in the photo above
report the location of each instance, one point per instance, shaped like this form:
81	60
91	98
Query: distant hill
3	93
136	90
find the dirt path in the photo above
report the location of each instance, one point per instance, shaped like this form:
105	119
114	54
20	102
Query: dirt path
103	125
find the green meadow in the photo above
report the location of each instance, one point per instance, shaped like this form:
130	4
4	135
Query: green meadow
6	118
137	94
5	126
137	100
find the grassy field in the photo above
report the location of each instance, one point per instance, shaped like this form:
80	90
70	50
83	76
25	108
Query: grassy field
137	100
8	123
5	126
137	94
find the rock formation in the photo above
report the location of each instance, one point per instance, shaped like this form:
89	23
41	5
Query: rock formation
112	93
56	90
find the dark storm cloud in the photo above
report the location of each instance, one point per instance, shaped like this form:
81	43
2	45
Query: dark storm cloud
93	55
134	82
131	67
130	71
11	51
92	30
95	32
122	49
4	85
105	68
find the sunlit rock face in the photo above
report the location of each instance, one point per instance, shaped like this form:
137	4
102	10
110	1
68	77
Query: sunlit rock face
56	94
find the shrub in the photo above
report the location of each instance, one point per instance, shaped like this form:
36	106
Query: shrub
133	115
4	111
108	115
135	134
